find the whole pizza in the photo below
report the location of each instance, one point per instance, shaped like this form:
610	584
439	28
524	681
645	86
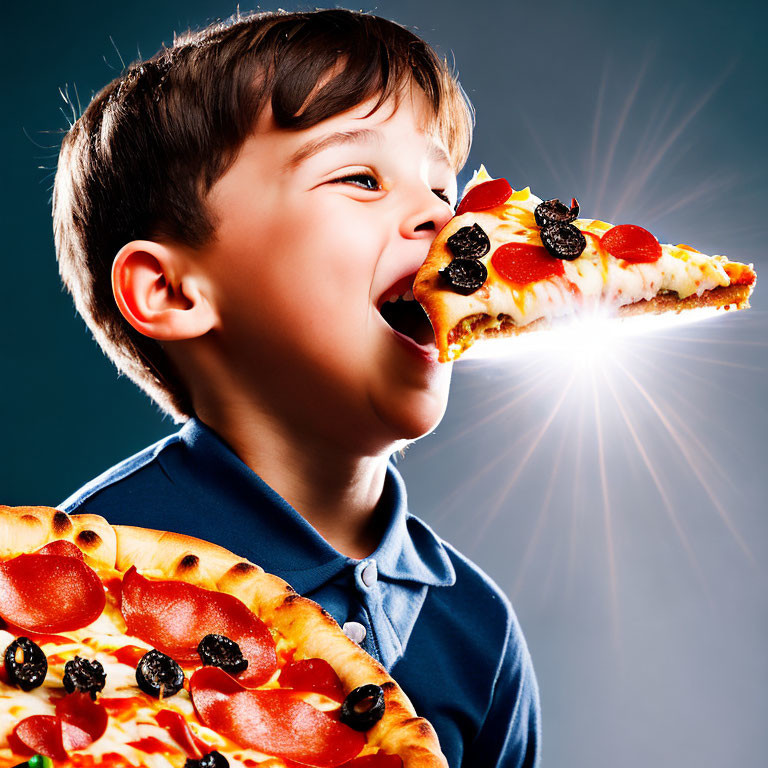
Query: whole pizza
125	646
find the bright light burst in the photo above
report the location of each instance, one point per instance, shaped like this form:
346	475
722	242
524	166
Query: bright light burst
596	412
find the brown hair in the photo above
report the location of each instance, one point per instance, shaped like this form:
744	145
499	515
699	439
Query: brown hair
140	161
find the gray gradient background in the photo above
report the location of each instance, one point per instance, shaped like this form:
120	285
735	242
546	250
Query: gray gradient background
641	587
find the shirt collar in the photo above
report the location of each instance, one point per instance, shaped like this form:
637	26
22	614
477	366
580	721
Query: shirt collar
276	537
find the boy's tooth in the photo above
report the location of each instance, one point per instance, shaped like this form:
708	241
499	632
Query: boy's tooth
408	296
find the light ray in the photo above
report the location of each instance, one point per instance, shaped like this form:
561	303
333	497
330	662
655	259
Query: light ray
628	102
714	466
658	483
692	464
577	490
632	189
543	150
711	188
613	580
522	462
711	360
490	416
596	127
543	514
488	467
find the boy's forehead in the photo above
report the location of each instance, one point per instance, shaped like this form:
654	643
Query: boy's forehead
358	126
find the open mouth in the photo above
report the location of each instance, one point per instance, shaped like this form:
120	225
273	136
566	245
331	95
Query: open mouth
404	314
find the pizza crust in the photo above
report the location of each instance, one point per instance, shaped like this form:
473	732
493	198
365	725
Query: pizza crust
304	623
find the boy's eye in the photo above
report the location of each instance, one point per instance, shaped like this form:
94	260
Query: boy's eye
364	180
371	183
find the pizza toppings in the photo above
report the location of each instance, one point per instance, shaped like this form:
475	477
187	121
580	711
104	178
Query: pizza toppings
36	761
631	243
211	760
78	722
220	651
49	592
174	616
83	720
363	708
62	547
159	675
464	276
25	664
469	242
179	730
277	722
522	263
43	734
84	675
563	241
315	675
555	212
484	196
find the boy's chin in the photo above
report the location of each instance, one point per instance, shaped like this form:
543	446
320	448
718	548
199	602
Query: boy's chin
415	415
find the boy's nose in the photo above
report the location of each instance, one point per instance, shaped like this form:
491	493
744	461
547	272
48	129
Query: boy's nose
427	219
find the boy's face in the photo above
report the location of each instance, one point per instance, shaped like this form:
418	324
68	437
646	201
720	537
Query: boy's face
308	245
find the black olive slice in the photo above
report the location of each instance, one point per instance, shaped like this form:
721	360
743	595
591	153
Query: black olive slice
220	651
159	675
363	707
84	675
25	664
563	241
469	242
555	212
211	760
464	276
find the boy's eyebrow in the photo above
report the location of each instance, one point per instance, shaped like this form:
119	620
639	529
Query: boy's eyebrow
360	136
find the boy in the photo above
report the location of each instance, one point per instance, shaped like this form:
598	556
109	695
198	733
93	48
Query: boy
230	217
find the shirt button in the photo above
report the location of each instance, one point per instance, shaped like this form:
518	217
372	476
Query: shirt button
354	631
369	574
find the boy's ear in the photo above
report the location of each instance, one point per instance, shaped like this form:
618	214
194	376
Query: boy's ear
157	296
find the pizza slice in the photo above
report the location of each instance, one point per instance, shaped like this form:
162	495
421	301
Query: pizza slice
124	646
509	262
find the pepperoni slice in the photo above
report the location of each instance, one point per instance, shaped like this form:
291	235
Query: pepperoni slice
78	722
174	616
38	637
83	720
129	655
179	730
42	734
62	547
485	196
631	243
152	746
315	675
521	263
274	721
376	760
49	593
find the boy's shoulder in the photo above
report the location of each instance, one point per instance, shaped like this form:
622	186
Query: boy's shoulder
146	489
105	492
476	597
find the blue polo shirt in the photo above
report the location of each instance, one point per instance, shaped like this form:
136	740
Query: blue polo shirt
441	627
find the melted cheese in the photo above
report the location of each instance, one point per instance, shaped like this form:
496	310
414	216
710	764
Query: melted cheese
595	277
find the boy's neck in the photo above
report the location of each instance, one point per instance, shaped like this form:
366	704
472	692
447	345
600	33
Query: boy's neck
336	493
